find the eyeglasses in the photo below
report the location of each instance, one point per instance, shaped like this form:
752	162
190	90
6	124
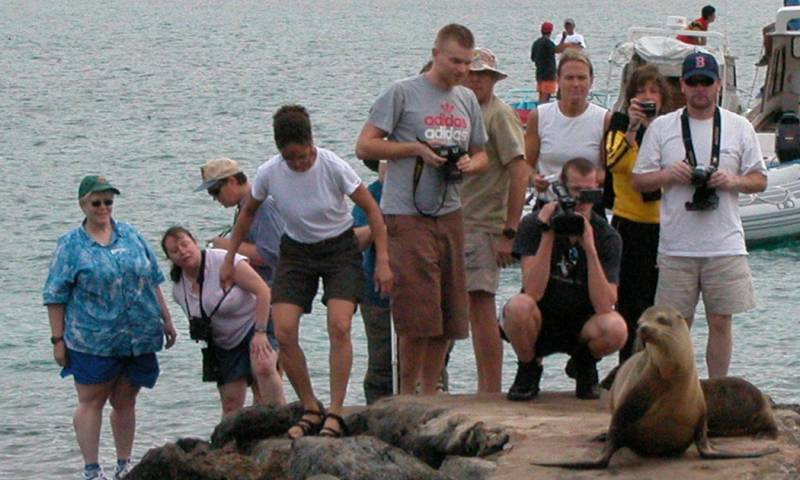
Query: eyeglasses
699	80
215	189
107	202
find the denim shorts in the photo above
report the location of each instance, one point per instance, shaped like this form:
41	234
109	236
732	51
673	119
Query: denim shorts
141	370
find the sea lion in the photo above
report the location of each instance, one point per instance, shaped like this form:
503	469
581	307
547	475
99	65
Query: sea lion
658	405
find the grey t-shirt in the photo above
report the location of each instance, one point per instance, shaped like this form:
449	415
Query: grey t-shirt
265	233
414	108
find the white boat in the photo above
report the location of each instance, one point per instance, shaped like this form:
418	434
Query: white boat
775	213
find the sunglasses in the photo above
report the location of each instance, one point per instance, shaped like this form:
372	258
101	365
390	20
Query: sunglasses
214	190
699	80
107	202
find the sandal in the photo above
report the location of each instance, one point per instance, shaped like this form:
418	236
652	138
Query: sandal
306	425
331	433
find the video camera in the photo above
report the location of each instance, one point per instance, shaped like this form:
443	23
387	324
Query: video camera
451	153
565	222
704	198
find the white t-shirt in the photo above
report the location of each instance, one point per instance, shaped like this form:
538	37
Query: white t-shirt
562	138
312	203
709	233
236	314
575	39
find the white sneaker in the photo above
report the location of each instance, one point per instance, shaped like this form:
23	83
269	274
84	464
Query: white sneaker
122	472
98	474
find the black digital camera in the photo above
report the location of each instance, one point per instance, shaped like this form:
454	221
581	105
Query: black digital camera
704	198
200	329
451	153
648	108
565	221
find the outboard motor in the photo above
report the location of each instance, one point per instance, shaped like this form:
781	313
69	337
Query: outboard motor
787	137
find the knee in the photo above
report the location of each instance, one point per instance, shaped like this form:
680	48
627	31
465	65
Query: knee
719	323
520	311
264	368
339	331
616	331
287	337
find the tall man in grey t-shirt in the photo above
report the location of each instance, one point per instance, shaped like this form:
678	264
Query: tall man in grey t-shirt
422	207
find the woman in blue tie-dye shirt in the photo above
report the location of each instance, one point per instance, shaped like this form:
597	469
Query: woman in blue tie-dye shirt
108	318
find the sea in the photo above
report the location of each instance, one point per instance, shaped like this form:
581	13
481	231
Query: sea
145	91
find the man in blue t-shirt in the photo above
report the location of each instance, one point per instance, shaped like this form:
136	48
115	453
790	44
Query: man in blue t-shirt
374	308
224	180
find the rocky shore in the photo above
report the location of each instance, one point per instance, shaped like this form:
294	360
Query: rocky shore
449	437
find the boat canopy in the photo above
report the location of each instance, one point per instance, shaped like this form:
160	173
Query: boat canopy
667	53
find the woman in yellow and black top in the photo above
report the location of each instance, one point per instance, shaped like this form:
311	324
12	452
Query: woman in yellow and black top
636	214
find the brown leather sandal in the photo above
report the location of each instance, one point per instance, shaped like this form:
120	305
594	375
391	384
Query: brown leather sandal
306	425
331	433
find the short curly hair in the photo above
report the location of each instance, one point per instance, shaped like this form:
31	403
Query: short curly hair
291	124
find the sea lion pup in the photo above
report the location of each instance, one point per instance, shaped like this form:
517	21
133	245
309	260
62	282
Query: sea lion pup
658	405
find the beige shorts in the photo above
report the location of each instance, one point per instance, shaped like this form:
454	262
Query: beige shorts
480	262
429	296
725	282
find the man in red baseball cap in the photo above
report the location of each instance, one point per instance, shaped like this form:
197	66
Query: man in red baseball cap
543	55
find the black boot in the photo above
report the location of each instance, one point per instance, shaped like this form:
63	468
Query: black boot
582	366
526	383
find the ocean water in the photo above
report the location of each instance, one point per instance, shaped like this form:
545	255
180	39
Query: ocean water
145	92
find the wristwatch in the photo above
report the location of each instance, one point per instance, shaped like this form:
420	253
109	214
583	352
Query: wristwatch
55	340
542	226
261	329
509	233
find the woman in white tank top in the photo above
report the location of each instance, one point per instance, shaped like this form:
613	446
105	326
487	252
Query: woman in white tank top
568	128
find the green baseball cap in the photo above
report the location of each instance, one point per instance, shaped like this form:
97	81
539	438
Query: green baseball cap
95	183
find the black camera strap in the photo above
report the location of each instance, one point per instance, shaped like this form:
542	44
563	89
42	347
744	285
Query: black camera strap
419	166
691	158
201	275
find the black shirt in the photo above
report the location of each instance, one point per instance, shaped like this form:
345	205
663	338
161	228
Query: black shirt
568	287
543	54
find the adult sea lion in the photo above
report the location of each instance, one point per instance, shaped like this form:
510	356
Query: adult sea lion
658	405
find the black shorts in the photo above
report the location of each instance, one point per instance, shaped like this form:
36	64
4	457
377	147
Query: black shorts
560	332
234	364
336	260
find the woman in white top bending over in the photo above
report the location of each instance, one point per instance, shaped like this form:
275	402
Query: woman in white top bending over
310	185
242	349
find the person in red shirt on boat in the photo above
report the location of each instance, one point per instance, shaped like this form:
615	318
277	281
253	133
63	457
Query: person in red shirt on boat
708	15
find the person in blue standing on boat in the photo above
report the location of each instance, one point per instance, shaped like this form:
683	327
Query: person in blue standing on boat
702	157
108	317
374	307
543	55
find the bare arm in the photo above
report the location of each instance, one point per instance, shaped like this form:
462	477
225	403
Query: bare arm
169	329
243	224
520	172
602	293
371	145
536	268
679	172
475	162
55	313
752	182
532	140
363	236
247	279
383	274
247	249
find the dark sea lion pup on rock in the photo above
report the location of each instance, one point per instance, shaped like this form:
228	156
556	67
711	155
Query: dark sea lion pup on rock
658	405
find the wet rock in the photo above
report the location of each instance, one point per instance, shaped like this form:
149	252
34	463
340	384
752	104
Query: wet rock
171	462
252	424
356	458
466	468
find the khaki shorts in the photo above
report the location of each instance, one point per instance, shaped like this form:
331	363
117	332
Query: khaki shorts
726	284
429	296
480	262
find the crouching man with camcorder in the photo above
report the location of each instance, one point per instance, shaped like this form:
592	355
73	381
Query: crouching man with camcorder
570	270
702	157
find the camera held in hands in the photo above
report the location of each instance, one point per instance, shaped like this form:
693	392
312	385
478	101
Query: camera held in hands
648	108
565	221
452	154
704	198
